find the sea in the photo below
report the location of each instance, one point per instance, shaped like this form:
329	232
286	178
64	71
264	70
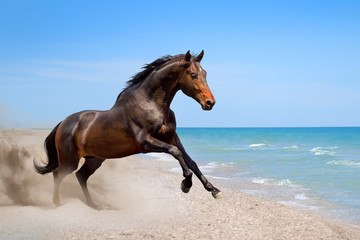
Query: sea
316	169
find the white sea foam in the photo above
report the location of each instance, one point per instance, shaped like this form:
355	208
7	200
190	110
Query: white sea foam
176	169
261	180
212	165
258	145
205	169
301	196
269	181
208	168
216	177
286	182
292	147
345	163
163	157
324	151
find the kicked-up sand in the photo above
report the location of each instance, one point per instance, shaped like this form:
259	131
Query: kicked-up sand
138	199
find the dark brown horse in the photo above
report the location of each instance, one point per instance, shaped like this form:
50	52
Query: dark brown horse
139	122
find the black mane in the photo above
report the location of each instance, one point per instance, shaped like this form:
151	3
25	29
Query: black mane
149	68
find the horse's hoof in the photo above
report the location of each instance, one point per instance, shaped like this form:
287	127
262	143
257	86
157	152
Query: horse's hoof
92	205
217	195
184	188
56	202
96	207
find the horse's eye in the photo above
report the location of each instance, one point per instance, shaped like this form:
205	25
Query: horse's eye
193	75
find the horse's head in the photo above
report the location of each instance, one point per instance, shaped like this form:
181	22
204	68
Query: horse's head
193	82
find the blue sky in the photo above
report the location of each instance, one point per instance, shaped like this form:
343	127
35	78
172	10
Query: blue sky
269	63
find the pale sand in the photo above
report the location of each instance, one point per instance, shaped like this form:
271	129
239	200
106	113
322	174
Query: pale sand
140	199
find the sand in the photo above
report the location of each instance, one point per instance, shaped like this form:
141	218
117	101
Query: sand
139	199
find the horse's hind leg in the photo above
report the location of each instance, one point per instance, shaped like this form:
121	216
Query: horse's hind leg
59	175
90	166
57	179
68	162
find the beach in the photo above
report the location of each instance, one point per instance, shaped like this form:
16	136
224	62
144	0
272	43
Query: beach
139	198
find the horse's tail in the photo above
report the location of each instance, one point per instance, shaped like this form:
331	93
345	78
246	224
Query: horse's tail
50	148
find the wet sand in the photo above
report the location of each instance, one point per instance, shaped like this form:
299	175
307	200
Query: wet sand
139	199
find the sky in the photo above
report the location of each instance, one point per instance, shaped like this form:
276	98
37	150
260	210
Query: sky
269	63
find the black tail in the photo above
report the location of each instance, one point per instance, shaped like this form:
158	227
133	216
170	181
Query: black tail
50	149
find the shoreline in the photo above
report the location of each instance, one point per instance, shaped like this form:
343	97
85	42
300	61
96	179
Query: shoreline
141	199
288	193
285	191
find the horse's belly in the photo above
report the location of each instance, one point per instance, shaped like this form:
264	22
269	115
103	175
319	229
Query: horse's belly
111	146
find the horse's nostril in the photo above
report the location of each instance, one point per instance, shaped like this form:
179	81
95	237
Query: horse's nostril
209	103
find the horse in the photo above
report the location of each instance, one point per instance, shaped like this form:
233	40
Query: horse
140	121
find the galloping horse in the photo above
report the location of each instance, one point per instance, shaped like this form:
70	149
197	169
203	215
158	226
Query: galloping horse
140	121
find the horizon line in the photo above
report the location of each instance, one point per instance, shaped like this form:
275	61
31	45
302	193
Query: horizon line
45	128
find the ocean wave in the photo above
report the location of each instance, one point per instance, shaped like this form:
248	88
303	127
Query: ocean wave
345	163
216	177
301	196
258	145
208	168
324	151
176	169
213	165
286	182
269	181
205	169
292	147
163	157
261	180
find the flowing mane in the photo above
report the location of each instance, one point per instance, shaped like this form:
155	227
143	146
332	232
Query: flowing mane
149	68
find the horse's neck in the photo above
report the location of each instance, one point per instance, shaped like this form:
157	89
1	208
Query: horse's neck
162	85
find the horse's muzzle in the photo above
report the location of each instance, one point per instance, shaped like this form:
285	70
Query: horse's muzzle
209	104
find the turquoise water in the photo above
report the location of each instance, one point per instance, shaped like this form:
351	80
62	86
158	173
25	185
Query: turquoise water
312	168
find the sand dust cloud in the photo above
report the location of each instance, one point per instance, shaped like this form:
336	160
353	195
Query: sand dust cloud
19	183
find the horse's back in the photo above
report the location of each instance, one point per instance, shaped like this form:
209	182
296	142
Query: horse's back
99	134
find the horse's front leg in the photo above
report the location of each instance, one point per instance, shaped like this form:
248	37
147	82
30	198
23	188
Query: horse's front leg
152	144
193	166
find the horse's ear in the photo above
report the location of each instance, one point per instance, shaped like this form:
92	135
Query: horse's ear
200	56
188	56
